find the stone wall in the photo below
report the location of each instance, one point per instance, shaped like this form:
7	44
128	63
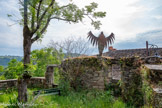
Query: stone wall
98	72
98	79
131	53
40	82
90	72
34	82
141	83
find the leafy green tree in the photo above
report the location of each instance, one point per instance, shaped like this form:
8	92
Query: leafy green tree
1	73
43	57
1	69
39	60
14	69
37	15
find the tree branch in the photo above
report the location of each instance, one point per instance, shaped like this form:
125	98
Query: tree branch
89	17
32	6
42	16
46	10
64	6
25	13
74	21
45	27
21	3
40	2
32	21
42	31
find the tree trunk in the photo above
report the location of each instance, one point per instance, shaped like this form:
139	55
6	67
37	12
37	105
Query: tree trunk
22	82
22	90
27	46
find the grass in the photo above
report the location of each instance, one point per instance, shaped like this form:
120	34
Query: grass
83	99
6	94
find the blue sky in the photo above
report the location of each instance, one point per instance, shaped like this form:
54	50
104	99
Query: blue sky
132	21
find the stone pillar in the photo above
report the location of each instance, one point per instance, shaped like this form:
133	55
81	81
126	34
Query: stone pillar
49	76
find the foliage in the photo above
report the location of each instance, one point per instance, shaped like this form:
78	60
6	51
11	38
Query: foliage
146	88
1	69
39	60
14	69
114	87
131	62
2	77
64	86
132	81
6	94
41	12
83	99
133	94
1	73
43	57
13	102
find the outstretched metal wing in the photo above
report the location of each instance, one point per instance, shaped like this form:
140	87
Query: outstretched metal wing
92	38
110	39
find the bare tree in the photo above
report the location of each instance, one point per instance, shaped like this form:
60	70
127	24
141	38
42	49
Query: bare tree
72	46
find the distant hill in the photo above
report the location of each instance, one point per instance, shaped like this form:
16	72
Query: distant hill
4	60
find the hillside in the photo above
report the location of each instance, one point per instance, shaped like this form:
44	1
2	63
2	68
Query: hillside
4	60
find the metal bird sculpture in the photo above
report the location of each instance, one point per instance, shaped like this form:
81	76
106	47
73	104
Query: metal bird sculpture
101	41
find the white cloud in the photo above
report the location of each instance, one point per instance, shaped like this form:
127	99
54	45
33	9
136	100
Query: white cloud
157	17
125	18
9	5
119	13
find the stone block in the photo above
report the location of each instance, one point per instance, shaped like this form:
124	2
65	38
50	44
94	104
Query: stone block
96	75
101	87
95	87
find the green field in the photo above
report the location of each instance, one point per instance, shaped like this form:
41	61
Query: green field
83	99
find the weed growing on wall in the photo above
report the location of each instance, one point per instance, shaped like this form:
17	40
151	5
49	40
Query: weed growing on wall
131	82
147	90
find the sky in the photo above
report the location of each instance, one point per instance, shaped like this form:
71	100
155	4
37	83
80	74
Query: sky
132	21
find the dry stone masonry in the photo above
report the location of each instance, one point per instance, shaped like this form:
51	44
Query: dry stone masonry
97	72
34	82
140	79
90	72
40	82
